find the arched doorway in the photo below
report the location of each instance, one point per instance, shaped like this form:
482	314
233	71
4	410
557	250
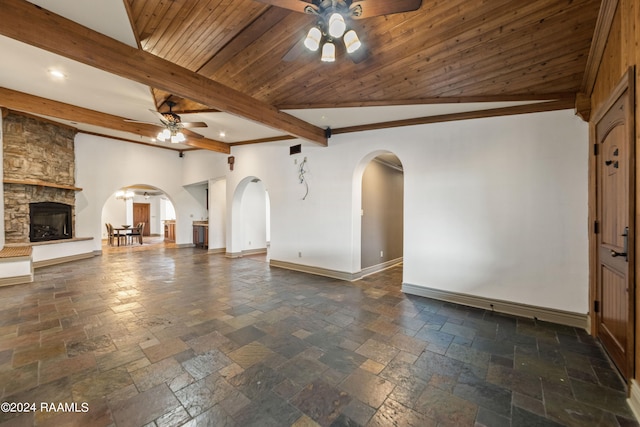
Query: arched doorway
139	203
250	219
381	212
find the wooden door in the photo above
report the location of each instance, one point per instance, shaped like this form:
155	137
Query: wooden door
615	204
142	213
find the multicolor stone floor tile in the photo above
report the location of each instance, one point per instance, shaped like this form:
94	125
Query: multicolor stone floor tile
180	337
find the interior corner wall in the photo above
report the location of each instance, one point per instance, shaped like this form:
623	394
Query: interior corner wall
495	207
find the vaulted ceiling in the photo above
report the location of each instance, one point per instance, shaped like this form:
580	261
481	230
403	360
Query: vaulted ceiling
244	58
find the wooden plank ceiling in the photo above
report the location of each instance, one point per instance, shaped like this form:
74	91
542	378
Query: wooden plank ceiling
455	50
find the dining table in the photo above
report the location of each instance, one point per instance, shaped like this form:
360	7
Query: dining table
125	229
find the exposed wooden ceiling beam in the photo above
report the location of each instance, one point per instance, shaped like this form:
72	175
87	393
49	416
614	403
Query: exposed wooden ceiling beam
38	27
33	104
437	100
478	114
262	140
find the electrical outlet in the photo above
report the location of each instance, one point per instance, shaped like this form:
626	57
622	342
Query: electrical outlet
249	242
299	254
381	254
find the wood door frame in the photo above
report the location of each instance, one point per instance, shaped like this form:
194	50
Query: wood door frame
626	83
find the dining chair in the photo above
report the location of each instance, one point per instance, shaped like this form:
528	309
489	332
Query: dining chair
137	232
115	235
109	234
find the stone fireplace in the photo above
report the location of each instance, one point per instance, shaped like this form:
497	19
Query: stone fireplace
39	170
49	221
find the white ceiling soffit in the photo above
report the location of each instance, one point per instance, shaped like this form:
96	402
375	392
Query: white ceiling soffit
108	17
235	128
83	86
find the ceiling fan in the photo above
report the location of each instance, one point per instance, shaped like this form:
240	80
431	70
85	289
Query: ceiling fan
174	127
331	23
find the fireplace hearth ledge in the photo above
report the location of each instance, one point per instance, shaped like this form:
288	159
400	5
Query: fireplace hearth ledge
18	270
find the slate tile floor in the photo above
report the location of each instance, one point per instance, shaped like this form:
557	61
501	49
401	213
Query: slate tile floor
173	337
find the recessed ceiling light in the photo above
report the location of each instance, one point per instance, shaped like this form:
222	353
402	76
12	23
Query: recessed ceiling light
57	74
222	134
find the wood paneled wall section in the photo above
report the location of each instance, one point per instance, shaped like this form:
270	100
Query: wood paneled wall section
622	51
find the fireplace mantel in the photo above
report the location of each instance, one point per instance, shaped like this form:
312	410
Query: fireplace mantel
40	184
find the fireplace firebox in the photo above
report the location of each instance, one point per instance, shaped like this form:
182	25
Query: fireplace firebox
49	221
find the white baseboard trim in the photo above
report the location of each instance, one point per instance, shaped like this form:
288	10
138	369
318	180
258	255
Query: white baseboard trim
245	252
254	251
318	271
634	399
380	267
217	250
568	318
334	274
16	280
233	254
62	260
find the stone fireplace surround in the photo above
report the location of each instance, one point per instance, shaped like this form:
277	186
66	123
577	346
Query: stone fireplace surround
39	166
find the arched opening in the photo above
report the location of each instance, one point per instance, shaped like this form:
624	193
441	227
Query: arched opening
250	213
139	203
381	212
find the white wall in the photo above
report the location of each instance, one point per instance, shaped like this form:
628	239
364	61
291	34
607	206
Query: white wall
254	217
217	213
113	212
104	165
498	208
494	208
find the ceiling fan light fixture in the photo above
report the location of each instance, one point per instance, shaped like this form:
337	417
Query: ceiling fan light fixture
351	41
328	52
337	26
178	138
164	135
312	42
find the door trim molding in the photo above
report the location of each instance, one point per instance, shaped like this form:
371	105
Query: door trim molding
634	398
577	320
625	84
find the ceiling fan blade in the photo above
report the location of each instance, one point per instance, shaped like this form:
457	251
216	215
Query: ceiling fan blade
194	125
159	116
295	5
383	7
191	134
146	123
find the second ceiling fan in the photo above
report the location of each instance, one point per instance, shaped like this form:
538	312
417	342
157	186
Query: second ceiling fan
174	127
332	17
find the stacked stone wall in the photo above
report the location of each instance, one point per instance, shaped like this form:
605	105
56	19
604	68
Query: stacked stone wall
35	150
